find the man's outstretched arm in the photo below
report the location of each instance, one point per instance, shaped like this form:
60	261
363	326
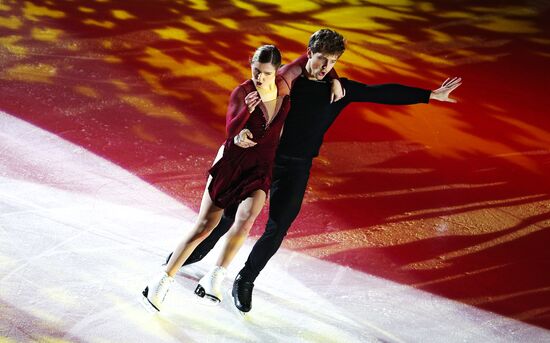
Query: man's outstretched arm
397	94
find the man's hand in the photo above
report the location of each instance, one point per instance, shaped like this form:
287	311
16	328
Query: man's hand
252	100
442	93
243	139
336	91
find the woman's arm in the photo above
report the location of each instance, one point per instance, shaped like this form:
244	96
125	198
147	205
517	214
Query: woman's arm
290	72
237	112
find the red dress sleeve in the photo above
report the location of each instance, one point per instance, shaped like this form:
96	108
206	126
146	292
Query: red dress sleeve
237	112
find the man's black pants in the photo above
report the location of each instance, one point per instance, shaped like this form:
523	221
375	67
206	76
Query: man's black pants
290	177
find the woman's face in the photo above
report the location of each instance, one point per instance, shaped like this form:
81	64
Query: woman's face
263	74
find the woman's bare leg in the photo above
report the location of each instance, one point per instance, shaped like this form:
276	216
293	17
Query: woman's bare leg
246	215
209	217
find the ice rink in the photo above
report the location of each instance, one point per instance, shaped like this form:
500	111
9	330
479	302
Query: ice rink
80	237
421	223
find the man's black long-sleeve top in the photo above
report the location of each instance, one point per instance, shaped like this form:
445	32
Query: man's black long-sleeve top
311	113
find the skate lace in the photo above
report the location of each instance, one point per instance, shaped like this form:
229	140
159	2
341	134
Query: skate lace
163	284
245	288
217	276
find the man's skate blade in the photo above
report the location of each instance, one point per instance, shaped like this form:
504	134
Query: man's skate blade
237	311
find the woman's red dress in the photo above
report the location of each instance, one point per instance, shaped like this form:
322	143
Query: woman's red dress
241	171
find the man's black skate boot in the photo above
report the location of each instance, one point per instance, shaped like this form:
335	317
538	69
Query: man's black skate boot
242	293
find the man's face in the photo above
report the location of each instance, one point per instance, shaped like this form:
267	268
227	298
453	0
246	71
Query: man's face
320	64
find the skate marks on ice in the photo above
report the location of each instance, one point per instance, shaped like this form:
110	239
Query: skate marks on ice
80	237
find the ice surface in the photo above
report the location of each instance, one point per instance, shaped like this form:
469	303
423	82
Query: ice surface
79	238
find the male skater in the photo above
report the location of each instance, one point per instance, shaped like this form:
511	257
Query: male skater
312	113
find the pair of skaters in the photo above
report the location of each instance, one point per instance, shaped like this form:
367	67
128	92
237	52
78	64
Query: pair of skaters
260	157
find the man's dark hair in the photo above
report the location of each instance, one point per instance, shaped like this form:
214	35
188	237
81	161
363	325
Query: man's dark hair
328	42
267	54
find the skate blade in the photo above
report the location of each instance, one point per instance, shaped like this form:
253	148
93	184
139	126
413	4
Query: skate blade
239	313
235	309
149	307
201	292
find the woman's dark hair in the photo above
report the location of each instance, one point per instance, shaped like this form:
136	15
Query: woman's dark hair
328	42
267	54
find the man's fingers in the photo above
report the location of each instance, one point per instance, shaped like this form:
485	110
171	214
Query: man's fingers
453	87
449	81
454	82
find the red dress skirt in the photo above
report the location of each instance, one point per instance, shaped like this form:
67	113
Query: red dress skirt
242	171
